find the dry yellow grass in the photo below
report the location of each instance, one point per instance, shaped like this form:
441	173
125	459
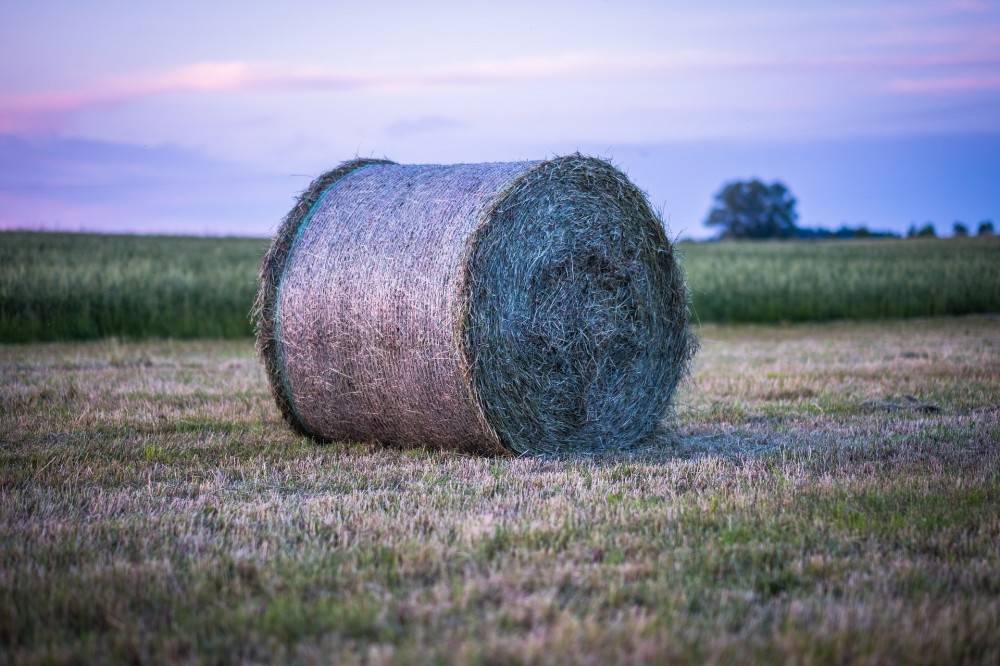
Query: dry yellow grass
833	497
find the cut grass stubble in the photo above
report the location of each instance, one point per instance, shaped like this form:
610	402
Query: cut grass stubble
156	508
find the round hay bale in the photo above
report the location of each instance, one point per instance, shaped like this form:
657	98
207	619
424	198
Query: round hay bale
532	307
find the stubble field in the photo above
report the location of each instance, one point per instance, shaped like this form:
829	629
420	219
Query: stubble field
829	494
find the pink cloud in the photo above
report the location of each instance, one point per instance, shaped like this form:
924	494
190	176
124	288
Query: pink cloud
946	85
972	5
52	109
55	110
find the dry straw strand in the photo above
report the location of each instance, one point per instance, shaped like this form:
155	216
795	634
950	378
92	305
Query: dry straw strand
529	307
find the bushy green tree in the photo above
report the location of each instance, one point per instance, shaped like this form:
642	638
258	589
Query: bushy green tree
926	231
751	209
960	230
985	228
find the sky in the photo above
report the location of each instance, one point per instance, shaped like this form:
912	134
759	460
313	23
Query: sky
209	118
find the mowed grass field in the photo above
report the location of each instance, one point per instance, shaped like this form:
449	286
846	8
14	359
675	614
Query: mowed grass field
80	286
829	494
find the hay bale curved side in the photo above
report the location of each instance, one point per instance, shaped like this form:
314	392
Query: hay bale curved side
576	322
366	343
272	267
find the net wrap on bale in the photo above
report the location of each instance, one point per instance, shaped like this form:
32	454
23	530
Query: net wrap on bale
532	307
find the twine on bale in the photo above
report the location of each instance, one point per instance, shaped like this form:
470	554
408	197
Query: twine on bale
531	307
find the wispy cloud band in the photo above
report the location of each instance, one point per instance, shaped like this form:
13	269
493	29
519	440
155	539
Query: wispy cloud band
947	85
47	110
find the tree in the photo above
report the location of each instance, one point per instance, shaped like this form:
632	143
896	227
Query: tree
960	230
985	228
751	209
926	231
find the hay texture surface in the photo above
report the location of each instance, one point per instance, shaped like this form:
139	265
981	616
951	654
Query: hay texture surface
531	307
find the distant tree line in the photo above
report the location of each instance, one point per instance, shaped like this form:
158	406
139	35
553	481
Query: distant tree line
960	230
751	209
844	232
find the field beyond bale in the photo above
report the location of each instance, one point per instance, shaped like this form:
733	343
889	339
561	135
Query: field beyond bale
832	495
59	286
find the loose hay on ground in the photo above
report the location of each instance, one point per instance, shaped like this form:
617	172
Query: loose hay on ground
532	307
